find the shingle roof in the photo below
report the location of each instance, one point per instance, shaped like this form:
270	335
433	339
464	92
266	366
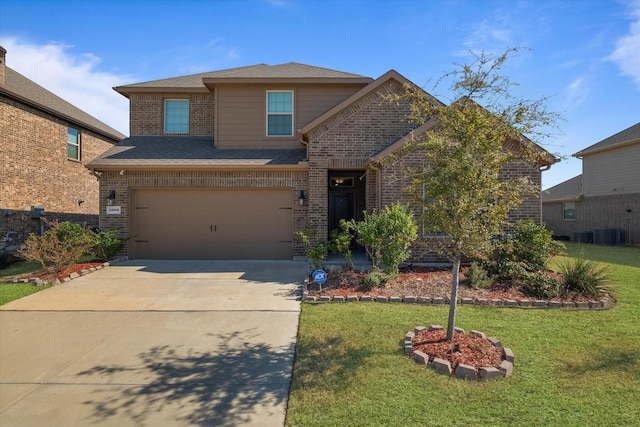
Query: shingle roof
289	72
629	135
189	151
570	189
19	87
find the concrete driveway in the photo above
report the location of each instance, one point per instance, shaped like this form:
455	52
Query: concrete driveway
157	343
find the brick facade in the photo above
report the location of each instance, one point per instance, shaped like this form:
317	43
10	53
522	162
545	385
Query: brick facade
123	184
147	113
598	212
36	171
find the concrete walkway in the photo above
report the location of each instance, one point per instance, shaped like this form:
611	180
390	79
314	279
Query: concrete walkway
157	343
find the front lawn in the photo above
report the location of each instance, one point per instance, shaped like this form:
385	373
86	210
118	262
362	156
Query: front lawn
14	291
572	367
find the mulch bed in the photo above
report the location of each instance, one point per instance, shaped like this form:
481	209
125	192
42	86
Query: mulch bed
472	350
52	276
419	281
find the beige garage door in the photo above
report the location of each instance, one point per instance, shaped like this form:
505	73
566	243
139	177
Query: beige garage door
212	224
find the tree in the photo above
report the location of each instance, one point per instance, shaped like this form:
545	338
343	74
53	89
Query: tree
467	145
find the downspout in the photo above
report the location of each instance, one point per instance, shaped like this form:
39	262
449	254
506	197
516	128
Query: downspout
305	143
98	175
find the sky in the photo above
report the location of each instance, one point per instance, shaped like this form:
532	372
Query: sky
583	56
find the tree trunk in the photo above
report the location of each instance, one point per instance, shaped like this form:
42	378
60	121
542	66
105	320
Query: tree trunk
453	304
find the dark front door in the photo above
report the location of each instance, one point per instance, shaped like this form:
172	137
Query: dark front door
341	206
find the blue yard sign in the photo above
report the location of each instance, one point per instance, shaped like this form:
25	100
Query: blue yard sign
319	276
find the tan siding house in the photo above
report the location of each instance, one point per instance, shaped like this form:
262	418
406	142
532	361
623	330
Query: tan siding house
601	205
45	144
284	147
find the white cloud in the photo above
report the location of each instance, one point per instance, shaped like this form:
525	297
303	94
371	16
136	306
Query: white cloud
627	51
576	93
75	78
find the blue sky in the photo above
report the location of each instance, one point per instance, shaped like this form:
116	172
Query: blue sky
585	54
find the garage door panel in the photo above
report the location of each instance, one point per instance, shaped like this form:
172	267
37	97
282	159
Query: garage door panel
212	224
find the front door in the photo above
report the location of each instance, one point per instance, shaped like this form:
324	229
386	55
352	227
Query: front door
341	206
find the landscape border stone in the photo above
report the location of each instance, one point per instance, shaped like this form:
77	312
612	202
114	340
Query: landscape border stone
74	275
461	371
429	300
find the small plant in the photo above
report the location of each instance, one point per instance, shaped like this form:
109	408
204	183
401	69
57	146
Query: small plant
340	241
583	276
62	244
105	244
540	285
478	276
314	248
377	278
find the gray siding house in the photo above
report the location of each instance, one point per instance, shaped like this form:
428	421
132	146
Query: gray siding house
602	205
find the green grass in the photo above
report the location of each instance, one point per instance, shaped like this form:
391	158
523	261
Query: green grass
14	291
572	367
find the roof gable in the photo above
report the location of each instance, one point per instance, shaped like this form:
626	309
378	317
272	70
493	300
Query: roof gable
291	72
389	75
630	135
21	88
569	190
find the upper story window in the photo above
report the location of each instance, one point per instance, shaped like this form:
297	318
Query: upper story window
73	144
279	113
176	116
568	211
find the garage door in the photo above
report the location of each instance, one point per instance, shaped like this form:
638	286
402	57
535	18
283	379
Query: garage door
212	224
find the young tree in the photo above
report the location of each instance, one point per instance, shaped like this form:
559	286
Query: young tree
466	147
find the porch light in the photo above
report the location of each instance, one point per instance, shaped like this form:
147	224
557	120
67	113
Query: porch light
301	198
111	197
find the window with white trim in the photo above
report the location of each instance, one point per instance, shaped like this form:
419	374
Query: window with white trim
279	113
569	211
73	143
176	116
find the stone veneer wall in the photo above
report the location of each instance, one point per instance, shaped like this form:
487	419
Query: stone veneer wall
36	172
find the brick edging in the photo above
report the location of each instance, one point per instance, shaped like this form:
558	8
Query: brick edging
430	300
39	282
462	370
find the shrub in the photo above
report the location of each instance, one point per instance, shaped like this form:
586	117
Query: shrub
583	276
478	276
105	244
533	245
387	236
62	244
528	250
377	278
315	252
540	285
340	241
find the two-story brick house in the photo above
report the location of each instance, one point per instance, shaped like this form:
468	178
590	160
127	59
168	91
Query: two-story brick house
601	205
230	164
45	143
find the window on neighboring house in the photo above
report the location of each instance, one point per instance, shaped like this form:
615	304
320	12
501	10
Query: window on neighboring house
279	113
568	211
176	116
73	144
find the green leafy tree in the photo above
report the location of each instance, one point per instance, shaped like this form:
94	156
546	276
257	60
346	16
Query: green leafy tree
467	146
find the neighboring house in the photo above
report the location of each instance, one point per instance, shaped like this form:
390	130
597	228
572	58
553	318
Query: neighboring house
602	204
231	164
45	143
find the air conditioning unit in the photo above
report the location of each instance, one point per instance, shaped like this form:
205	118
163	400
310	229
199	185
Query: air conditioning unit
606	236
583	236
